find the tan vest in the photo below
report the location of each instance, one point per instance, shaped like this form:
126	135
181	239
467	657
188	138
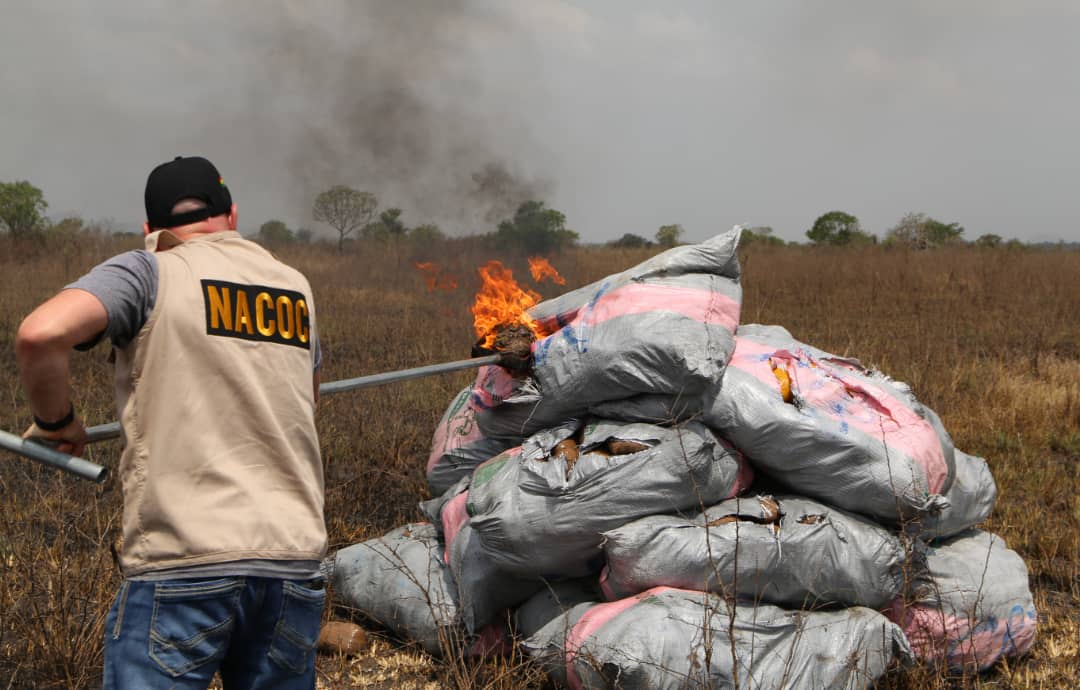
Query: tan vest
221	459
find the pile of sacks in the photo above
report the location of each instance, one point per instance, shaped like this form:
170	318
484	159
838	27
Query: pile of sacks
670	499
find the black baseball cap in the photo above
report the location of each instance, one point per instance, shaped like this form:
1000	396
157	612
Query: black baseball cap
192	177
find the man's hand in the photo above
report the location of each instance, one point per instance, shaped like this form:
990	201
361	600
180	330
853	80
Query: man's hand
71	439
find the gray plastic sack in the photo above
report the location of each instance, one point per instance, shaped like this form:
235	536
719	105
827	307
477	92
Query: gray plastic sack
484	590
670	638
971	500
458	445
850	437
538	515
663	326
971	605
822	425
399	581
789	551
553	600
656	409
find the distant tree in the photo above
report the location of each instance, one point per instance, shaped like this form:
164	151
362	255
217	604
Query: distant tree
536	229
939	234
70	225
989	240
919	231
630	241
344	209
426	233
391	220
838	228
304	235
760	234
63	237
388	226
669	235
275	232
22	208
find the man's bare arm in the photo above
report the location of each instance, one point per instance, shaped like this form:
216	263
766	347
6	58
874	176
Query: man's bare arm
43	352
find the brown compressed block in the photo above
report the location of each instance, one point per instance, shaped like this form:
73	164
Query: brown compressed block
620	447
339	637
770	509
567	448
569	451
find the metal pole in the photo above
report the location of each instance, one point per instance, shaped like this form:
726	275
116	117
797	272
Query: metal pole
50	456
332	387
104	432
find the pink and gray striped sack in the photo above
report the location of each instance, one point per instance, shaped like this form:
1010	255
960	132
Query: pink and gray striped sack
846	435
970	604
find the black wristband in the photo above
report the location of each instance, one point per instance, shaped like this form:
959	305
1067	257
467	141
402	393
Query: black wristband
57	425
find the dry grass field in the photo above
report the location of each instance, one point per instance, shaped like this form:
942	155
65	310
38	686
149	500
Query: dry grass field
990	339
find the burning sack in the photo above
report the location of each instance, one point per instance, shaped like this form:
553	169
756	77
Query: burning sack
458	445
663	326
790	551
542	510
971	500
399	581
484	589
971	605
671	638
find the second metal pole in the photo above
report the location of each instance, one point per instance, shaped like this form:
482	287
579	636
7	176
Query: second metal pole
50	456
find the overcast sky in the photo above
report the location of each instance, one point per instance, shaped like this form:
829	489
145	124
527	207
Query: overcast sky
624	114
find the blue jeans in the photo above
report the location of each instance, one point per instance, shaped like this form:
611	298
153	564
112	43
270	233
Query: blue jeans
258	632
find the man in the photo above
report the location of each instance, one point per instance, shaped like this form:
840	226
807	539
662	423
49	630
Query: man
216	385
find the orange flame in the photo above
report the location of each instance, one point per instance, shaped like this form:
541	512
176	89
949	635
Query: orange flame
540	269
430	271
434	278
500	301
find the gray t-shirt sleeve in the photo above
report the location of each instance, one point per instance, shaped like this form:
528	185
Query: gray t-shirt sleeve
127	286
